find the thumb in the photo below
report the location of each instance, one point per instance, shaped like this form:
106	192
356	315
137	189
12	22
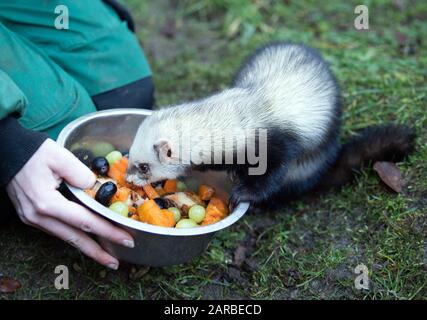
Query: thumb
72	170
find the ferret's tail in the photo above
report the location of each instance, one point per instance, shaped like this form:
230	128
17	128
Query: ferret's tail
376	143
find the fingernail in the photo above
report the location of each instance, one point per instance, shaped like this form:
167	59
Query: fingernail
113	265
128	243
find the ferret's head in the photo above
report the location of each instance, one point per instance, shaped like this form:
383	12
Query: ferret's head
153	154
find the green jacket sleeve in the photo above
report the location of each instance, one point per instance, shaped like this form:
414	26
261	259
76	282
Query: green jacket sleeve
18	143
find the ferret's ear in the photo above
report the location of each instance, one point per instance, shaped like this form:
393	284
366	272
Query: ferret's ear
164	150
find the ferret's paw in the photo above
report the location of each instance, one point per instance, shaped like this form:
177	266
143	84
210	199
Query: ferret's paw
238	194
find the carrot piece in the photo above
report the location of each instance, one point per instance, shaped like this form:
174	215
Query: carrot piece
168	218
218	203
117	171
117	176
209	220
170	186
122	194
135	217
160	191
136	189
147	209
150	191
122	164
206	192
140	191
215	211
151	213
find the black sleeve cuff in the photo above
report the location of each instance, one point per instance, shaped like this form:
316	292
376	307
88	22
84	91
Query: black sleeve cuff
138	94
122	12
17	147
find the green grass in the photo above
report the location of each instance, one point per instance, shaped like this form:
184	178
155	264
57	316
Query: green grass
308	250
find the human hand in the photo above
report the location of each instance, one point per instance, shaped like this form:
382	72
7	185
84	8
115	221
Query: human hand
34	194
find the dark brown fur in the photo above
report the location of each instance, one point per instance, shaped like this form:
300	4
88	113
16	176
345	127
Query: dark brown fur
371	144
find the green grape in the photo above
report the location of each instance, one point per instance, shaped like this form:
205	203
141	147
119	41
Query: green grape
113	156
120	208
176	213
101	149
197	213
186	223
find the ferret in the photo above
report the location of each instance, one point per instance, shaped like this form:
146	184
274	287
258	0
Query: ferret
286	90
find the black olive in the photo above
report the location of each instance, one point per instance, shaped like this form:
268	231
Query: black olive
100	166
105	192
84	155
164	203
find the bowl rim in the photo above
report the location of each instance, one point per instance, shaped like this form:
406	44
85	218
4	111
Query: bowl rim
237	213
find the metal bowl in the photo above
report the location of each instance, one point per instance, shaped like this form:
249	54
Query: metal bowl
154	246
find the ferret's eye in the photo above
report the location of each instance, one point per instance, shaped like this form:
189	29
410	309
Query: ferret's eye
143	168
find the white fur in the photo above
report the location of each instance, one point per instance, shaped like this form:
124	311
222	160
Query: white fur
284	86
300	95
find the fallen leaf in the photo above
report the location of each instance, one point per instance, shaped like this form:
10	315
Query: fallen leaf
8	285
390	174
